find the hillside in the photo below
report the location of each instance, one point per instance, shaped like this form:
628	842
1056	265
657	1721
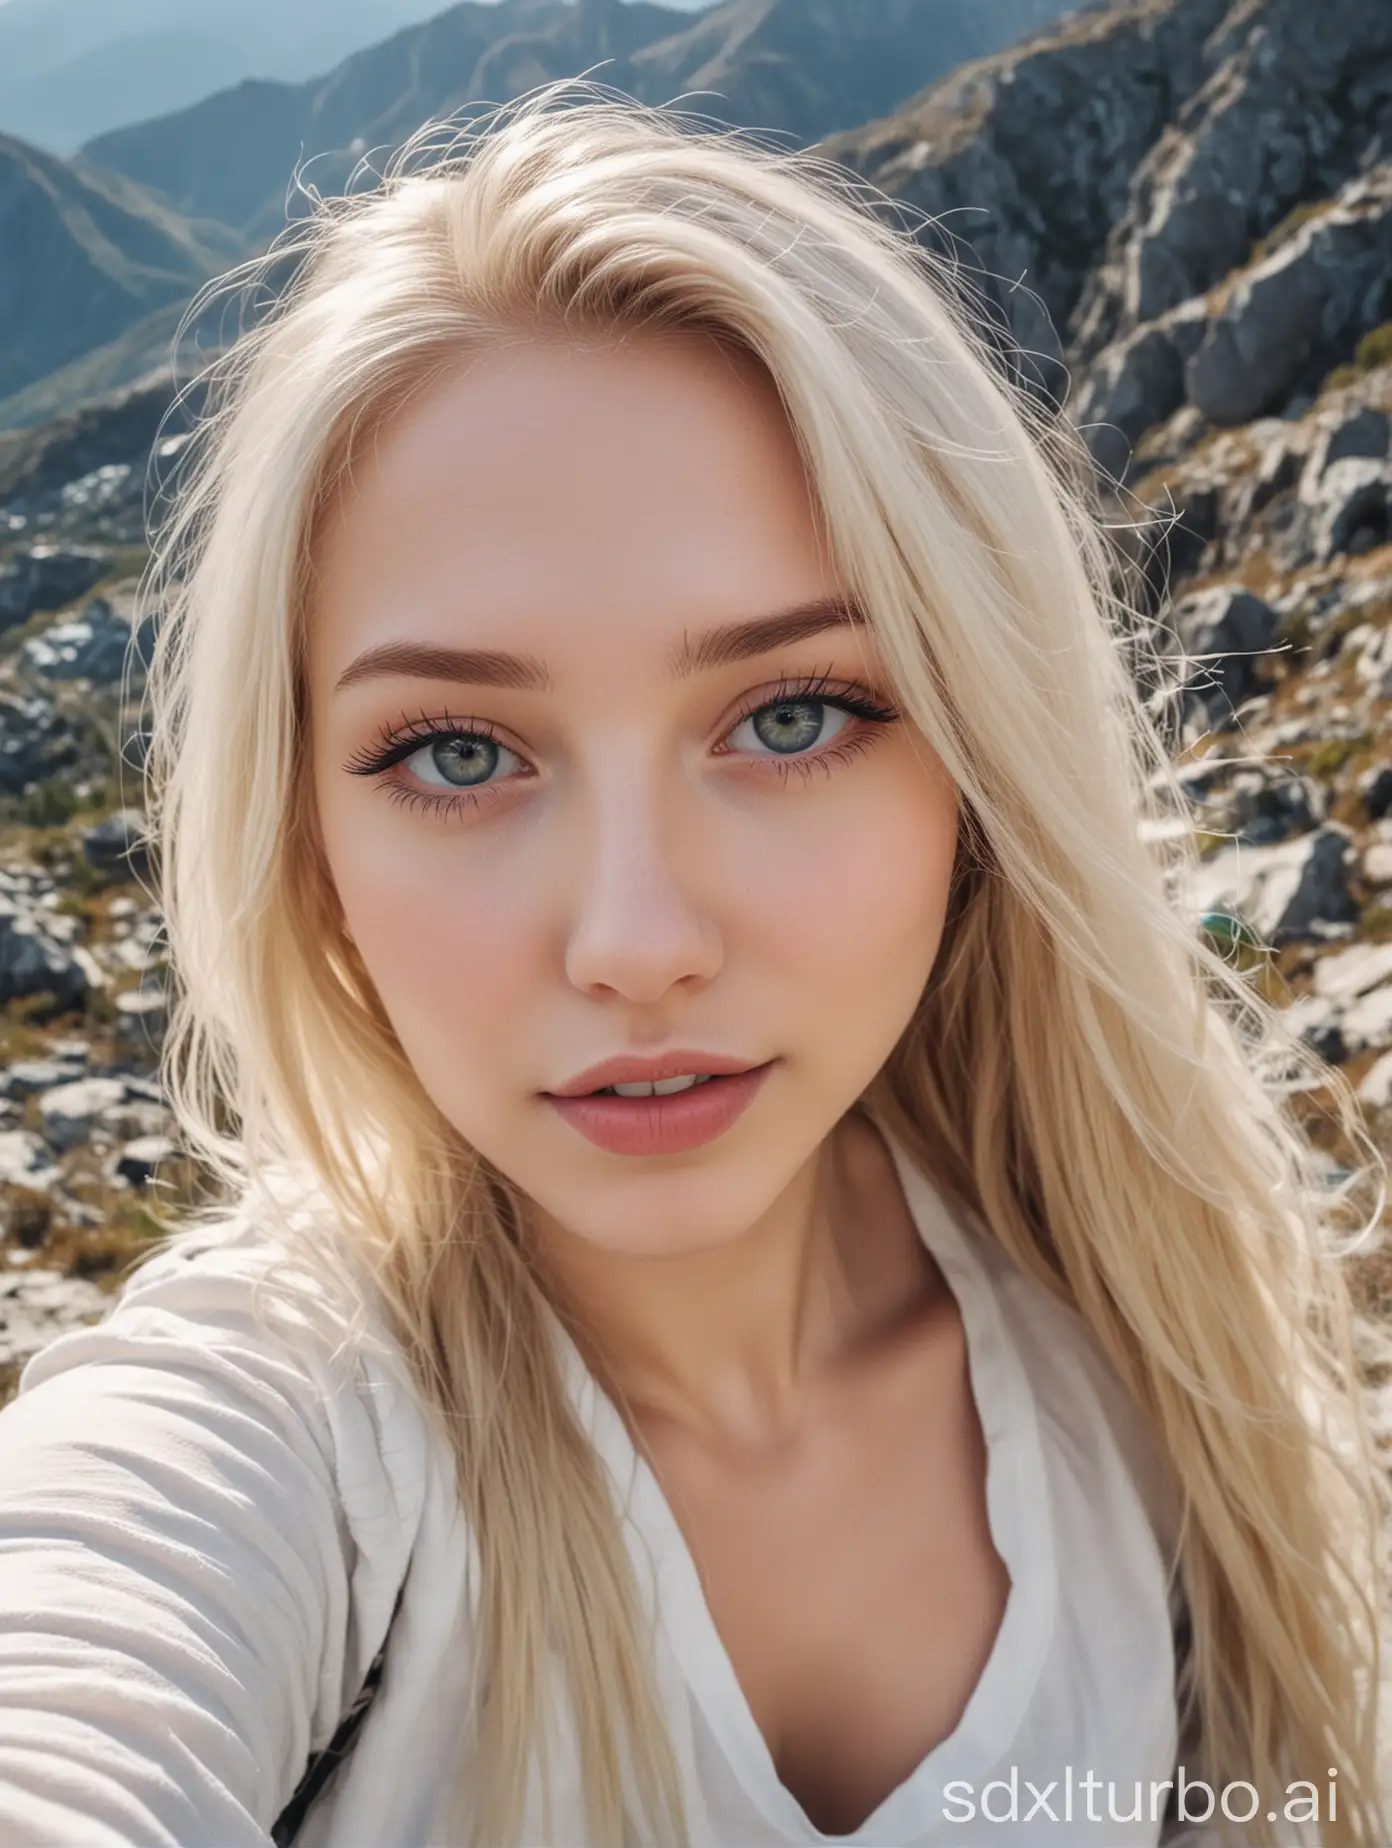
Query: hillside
802	68
85	254
1182	212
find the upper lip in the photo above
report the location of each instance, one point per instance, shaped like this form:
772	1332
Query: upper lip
628	1069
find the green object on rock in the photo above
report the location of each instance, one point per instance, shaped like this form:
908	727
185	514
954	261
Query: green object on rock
1228	929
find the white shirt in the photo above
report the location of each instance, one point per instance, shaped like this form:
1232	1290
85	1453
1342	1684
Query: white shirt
205	1522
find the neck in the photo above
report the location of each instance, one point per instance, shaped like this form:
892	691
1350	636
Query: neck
727	1340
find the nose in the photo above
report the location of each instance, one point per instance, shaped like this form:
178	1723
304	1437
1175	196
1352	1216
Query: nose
638	929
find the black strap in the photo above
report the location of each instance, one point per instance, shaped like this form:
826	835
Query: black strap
322	1765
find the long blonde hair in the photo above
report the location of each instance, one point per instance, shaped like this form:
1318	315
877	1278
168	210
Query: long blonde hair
1083	1072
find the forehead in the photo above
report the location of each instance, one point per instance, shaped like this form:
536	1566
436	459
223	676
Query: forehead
550	492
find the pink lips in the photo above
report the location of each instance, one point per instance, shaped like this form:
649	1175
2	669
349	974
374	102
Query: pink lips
659	1125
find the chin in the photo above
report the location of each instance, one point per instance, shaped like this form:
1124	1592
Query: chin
694	1203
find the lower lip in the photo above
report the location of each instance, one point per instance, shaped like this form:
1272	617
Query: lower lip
663	1125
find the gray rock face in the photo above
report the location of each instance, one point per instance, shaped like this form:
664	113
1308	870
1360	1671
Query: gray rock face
1027	157
1292	99
1306	303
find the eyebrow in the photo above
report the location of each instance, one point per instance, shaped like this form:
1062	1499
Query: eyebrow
488	667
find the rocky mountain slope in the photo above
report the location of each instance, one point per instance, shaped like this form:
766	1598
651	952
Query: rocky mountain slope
799	67
83	254
1198	194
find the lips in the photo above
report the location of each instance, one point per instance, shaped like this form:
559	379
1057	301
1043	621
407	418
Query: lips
658	1124
629	1068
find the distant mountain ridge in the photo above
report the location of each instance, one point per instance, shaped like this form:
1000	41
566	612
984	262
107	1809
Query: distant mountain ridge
72	69
86	254
801	67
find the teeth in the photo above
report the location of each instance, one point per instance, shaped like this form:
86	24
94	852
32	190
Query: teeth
663	1087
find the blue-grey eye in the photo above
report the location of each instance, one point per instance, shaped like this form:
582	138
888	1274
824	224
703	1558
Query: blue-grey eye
789	725
462	760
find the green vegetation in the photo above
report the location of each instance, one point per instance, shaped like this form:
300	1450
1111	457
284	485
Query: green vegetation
1287	227
1372	351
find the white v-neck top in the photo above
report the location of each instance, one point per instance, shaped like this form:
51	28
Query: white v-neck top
205	1522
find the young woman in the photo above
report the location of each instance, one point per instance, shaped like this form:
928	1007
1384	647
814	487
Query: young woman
766	1290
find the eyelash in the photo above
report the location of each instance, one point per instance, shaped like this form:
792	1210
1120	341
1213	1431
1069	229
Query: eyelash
397	743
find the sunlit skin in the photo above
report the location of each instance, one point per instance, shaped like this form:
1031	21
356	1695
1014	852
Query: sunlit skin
633	867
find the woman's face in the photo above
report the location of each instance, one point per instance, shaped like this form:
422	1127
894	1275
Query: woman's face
599	775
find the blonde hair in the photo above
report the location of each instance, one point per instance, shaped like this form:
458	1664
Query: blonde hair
1083	1072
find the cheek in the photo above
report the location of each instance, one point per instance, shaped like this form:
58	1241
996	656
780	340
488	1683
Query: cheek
858	907
451	949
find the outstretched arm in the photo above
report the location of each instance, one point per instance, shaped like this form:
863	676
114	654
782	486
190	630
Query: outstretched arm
174	1578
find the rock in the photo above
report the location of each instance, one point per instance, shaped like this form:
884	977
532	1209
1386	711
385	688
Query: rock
1261	808
1373	668
24	1160
137	1162
1375	791
141	1015
1283	892
38	1305
46	577
1130	387
32	962
1301	308
1364	432
118	845
1277	117
1375	1088
1344	975
70	1112
93	646
1221	633
1350	509
27	1076
35	742
1316	1021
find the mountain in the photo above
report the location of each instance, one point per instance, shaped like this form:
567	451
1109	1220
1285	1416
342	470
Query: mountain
89	253
1122	178
71	69
800	67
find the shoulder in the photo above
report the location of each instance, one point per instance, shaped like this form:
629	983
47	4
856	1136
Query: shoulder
234	1328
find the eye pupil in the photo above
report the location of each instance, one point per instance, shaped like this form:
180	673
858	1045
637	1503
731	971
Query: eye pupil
465	760
791	725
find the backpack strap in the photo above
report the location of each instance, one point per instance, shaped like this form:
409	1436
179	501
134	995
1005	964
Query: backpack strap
322	1765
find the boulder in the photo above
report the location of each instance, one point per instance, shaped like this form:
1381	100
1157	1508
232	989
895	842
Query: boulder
1350	509
71	1112
118	845
1221	633
1301	309
137	1162
1283	892
1375	791
32	962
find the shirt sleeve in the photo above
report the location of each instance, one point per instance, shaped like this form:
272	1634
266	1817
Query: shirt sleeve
175	1574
